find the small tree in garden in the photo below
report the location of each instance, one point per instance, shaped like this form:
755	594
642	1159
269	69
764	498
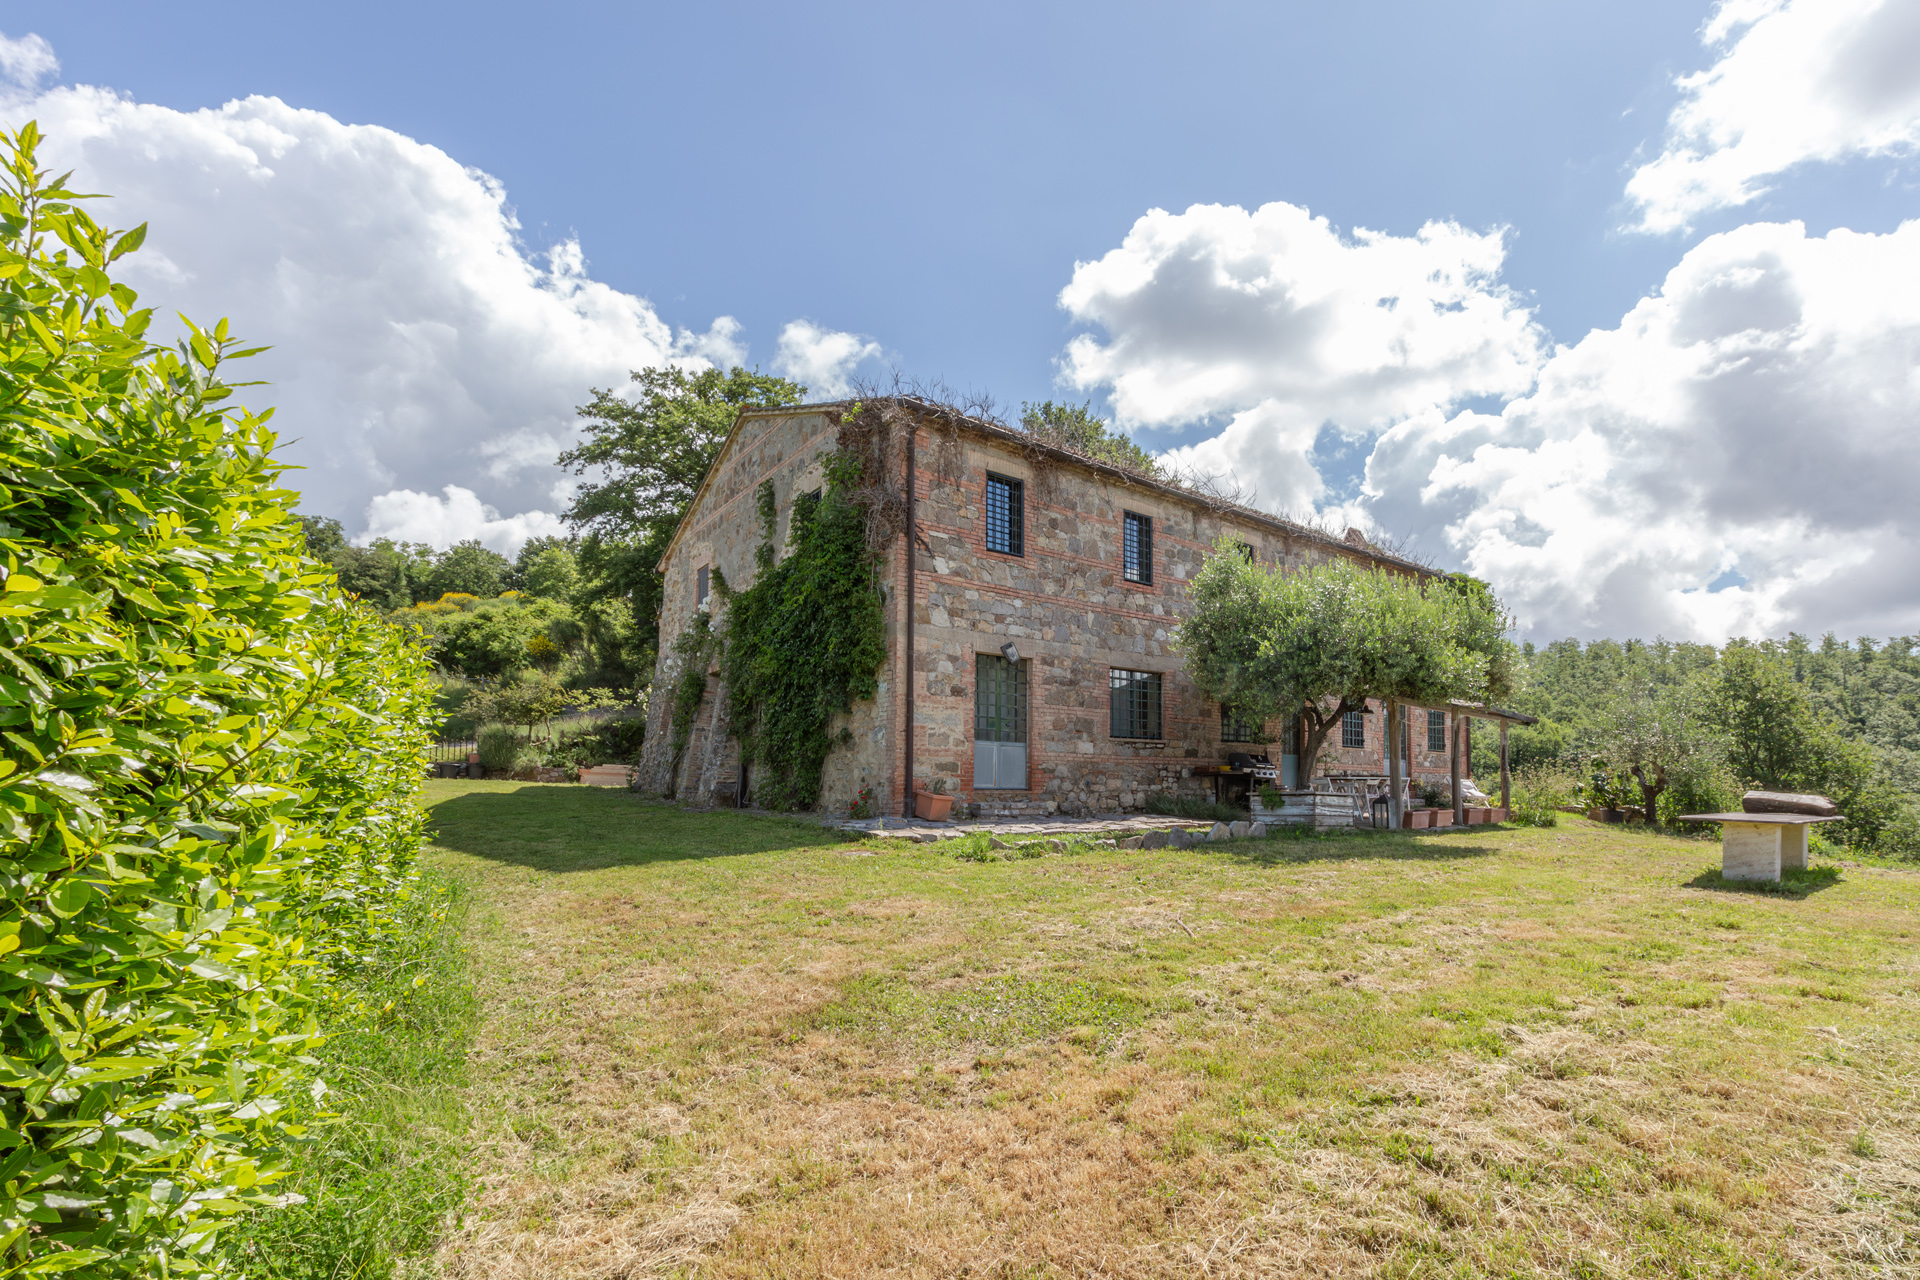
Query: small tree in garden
1659	734
1320	642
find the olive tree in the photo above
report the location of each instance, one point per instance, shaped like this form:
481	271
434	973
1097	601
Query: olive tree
1320	642
1659	734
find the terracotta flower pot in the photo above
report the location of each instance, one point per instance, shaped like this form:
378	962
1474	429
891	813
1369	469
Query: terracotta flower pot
1440	817
931	807
1496	814
1415	819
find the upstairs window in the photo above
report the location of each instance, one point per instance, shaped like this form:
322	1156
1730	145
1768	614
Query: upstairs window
1235	727
1137	548
1134	700
1246	551
1004	515
1436	731
1353	730
700	577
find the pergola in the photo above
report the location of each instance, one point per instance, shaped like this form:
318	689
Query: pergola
1458	710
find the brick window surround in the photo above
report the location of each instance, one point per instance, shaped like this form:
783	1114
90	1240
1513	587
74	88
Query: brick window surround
1353	730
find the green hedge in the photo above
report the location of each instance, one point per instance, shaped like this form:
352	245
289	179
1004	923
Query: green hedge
209	754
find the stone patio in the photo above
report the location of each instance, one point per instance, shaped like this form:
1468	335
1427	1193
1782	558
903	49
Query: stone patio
1116	825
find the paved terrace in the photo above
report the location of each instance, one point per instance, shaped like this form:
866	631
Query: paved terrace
1116	826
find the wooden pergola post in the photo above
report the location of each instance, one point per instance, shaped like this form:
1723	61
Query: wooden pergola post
1454	769
1506	778
1393	711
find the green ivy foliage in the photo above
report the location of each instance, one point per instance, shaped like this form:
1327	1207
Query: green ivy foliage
803	642
207	754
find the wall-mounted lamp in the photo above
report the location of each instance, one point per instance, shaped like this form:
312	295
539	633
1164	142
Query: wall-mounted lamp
1010	652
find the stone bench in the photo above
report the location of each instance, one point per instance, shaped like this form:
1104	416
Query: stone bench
1759	846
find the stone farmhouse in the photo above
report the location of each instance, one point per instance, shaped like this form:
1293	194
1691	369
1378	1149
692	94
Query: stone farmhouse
1029	664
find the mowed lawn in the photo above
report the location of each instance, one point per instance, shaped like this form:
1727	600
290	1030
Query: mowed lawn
729	1045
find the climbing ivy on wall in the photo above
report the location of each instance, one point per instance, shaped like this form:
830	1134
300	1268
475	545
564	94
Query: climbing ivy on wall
805	640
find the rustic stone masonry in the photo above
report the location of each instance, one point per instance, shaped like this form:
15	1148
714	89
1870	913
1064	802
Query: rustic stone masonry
1064	602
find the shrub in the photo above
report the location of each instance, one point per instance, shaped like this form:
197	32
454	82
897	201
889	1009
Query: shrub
207	771
1711	789
1192	808
1538	793
500	747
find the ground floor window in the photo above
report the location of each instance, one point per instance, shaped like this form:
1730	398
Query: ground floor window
1353	729
1236	727
1134	703
1436	731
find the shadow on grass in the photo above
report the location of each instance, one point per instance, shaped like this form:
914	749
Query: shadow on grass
1791	884
566	828
1290	848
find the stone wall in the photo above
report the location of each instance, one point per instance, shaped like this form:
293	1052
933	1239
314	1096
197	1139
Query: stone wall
1066	605
723	532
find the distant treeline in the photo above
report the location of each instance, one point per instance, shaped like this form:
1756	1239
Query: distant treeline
1863	693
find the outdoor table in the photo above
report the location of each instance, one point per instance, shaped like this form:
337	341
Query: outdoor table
1759	846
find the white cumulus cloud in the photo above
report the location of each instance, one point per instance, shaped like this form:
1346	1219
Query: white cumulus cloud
1738	456
456	516
419	346
1797	81
823	359
1275	321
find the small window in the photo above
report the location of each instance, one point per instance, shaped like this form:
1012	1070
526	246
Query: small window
1235	727
1246	551
1436	731
1004	515
700	577
1353	730
1135	704
1137	550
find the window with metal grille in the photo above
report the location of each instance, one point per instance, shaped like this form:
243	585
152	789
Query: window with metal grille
1436	731
1235	727
1137	549
700	576
999	699
1004	515
1353	729
1135	704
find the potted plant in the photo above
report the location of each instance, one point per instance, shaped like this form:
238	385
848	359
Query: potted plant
932	801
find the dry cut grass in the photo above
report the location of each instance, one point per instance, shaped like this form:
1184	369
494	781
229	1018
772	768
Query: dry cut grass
721	1045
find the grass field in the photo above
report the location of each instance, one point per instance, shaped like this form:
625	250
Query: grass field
728	1045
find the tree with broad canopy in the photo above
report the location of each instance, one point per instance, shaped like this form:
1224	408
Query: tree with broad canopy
1319	642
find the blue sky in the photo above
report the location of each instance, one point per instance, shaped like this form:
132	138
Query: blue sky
926	181
930	174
